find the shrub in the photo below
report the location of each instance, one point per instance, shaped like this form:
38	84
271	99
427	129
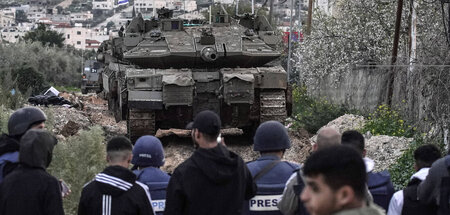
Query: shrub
77	160
402	170
311	113
387	121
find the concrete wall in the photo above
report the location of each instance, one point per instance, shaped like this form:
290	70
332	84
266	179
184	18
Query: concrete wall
422	95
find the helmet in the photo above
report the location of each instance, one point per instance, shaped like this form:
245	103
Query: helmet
271	136
148	151
21	120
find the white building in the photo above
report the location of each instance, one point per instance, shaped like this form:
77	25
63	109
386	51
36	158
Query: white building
35	13
7	17
103	4
147	6
81	37
13	34
81	17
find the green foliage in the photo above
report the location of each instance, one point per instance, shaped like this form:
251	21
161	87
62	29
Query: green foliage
387	121
76	161
45	36
311	113
402	170
11	98
32	65
4	116
21	16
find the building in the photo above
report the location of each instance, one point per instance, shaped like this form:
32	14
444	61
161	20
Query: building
7	17
81	37
81	17
103	4
35	13
13	34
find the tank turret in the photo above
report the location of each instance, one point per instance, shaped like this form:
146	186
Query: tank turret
163	73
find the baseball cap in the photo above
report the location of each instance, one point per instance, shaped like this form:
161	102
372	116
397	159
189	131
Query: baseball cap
206	122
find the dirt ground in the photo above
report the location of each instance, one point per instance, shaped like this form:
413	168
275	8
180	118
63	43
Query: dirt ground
95	110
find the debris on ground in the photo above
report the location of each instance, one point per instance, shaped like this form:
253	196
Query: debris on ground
187	133
384	150
70	129
94	111
48	100
344	123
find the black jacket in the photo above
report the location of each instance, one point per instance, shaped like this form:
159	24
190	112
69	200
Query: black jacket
411	204
212	181
7	145
115	192
29	189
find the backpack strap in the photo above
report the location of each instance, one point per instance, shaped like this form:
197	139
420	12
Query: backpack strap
266	169
298	188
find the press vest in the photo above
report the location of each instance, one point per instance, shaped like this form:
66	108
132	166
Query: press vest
270	185
157	182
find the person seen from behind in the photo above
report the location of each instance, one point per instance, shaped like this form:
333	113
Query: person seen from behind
290	203
435	189
148	157
405	202
379	183
115	191
19	122
335	179
269	172
29	189
213	180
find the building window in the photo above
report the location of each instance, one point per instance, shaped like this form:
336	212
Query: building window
78	42
78	32
68	36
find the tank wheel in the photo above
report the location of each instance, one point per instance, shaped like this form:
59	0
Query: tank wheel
140	123
272	105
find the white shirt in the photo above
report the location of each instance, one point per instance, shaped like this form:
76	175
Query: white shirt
396	203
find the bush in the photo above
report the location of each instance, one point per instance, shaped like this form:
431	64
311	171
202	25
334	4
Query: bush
402	170
311	113
387	121
77	160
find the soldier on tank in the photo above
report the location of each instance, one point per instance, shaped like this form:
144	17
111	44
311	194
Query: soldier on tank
20	121
148	157
268	171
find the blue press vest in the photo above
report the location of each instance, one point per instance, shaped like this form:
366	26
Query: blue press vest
157	182
269	187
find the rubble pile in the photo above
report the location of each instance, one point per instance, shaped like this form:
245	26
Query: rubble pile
384	150
344	123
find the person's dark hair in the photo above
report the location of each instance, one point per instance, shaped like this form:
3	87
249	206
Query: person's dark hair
353	139
119	143
426	155
340	165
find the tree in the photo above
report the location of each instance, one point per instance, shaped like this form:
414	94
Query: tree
45	36
21	16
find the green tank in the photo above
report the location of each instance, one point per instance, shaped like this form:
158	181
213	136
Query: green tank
160	73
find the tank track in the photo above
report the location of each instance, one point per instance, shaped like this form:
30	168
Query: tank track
140	123
272	106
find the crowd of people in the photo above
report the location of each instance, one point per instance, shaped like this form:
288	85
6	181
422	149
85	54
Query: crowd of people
336	179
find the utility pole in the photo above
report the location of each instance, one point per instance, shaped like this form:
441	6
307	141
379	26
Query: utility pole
253	6
271	12
413	39
398	22
290	44
309	21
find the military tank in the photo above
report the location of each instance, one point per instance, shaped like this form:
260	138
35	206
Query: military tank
159	73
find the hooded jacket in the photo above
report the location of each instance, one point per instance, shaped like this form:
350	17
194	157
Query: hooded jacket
212	181
380	185
9	155
29	189
115	191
